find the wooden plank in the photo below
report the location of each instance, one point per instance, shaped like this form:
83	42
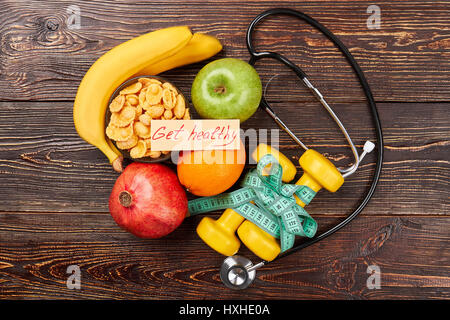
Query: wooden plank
36	249
405	60
46	166
54	187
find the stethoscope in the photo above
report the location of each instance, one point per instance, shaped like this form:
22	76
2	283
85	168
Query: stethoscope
238	272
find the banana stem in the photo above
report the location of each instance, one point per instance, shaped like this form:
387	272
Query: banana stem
117	164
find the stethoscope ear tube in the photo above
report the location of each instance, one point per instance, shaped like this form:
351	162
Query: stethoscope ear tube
248	267
255	56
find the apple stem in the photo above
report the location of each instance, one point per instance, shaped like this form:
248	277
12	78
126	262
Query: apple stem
221	89
125	199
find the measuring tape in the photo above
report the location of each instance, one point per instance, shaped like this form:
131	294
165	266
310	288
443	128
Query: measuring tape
274	208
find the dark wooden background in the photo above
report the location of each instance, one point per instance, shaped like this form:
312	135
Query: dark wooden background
54	187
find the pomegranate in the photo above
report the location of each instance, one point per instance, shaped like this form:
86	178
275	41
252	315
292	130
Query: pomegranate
148	200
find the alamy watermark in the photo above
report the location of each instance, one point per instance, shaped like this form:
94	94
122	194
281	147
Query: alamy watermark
74	18
374	20
250	137
74	280
374	280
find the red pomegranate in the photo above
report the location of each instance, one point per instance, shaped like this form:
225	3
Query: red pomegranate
148	200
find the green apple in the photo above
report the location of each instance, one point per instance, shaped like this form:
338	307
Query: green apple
226	89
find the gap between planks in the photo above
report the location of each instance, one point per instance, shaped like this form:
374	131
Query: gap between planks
320	215
346	101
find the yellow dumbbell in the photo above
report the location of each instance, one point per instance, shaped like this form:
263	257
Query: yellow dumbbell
220	234
319	173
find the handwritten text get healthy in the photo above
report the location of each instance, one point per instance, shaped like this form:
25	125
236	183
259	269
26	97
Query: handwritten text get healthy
173	135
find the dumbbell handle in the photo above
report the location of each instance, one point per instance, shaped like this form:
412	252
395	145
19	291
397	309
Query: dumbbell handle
230	220
307	180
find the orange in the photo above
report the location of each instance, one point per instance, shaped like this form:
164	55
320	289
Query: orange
210	172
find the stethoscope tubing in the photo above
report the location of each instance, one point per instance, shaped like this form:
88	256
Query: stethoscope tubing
255	56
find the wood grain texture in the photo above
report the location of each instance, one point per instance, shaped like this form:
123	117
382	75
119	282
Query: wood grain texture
36	249
45	166
407	59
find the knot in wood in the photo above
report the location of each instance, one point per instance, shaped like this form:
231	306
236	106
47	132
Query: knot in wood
52	25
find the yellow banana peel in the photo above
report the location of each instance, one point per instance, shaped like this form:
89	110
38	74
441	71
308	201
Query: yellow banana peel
109	71
200	47
149	54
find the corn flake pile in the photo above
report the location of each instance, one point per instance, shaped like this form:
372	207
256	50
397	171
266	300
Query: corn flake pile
134	108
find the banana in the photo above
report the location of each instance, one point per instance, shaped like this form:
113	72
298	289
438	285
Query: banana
111	70
200	47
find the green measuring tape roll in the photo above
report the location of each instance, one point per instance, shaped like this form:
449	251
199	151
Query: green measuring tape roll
274	210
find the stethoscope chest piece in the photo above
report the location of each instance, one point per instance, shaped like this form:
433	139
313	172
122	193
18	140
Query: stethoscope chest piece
235	273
